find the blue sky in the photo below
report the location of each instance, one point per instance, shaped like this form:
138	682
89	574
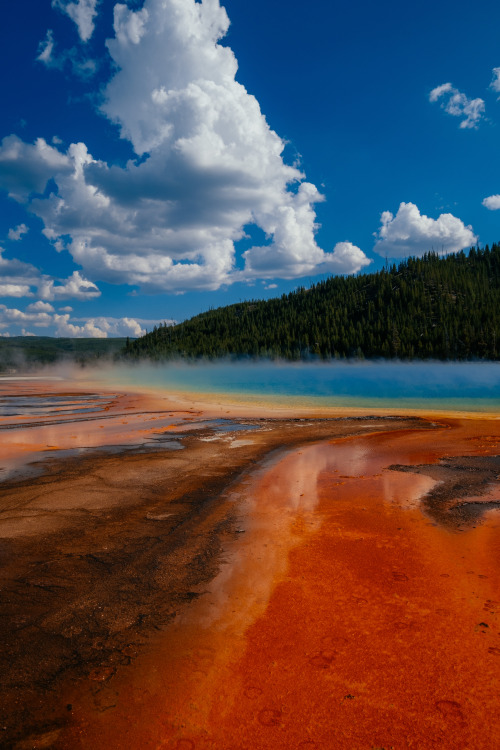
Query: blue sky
160	157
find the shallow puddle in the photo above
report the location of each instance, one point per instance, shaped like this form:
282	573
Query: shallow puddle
36	427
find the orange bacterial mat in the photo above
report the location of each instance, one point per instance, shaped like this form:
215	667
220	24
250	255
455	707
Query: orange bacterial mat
343	617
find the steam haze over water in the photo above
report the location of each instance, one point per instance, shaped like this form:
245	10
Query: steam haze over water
467	386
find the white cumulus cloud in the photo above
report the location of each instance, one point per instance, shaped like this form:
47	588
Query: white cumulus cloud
26	168
100	327
41	315
74	287
13	316
208	165
40	307
14	290
455	103
412	233
110	326
66	329
82	12
347	258
16	233
492	202
19	279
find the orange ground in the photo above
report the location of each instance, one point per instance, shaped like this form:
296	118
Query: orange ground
344	618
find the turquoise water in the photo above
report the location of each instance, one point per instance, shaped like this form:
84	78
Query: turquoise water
467	386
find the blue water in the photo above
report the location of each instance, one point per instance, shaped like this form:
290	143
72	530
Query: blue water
468	386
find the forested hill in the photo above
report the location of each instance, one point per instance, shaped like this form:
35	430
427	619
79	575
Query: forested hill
428	307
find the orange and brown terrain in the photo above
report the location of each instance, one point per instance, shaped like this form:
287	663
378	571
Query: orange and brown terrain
193	575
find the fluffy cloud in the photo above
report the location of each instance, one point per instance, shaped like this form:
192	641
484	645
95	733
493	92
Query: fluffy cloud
40	307
82	12
208	166
411	233
41	315
16	233
459	105
492	202
100	327
15	290
18	279
13	316
89	330
347	258
75	287
26	168
495	84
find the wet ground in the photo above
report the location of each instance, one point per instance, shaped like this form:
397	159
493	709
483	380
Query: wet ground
345	617
235	591
112	521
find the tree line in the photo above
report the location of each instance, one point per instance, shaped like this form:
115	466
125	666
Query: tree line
429	307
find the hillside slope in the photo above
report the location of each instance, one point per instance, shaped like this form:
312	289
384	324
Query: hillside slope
428	307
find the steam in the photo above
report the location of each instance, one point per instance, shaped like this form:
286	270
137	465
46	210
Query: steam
473	386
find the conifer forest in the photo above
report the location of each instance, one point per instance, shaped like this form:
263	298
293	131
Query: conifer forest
430	307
